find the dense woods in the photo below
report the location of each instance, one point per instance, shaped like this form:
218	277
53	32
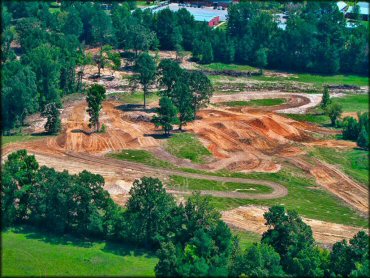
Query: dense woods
190	238
47	57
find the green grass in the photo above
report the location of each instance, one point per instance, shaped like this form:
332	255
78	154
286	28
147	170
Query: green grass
319	79
33	253
201	184
353	103
246	238
186	145
134	98
312	118
141	156
221	67
255	102
304	196
354	163
18	138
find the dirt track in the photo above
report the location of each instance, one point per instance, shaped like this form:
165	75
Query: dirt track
250	218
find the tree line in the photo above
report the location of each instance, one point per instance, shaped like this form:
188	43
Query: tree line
43	55
190	238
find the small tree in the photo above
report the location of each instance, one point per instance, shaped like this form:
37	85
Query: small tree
334	111
325	101
261	59
146	68
95	97
167	115
363	138
53	124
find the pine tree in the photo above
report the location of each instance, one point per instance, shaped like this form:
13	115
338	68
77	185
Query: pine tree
167	115
53	124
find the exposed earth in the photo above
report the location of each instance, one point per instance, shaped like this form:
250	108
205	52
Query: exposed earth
240	139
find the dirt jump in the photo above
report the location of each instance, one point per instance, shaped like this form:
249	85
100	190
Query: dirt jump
248	140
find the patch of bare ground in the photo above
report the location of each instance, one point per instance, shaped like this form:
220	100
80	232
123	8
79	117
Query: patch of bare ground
250	218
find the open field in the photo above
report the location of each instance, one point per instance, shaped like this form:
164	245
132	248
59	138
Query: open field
30	252
18	139
354	103
187	146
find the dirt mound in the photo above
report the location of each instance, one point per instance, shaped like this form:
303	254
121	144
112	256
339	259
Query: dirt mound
250	218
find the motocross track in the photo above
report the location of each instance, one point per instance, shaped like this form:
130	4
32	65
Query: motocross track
250	218
248	140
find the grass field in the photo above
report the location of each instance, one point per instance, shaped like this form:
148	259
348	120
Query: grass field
134	98
18	138
198	184
354	163
221	67
32	253
353	103
255	102
312	118
246	239
141	156
186	145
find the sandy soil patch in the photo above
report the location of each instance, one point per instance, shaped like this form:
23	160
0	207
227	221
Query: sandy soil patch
250	218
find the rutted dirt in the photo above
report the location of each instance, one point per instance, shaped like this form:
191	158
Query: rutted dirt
250	218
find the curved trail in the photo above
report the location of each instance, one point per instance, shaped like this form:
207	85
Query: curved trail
116	169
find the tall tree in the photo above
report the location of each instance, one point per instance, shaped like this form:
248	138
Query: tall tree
167	115
53	124
325	100
146	72
334	111
95	97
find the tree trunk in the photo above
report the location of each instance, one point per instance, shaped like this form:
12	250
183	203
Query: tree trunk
180	126
144	97
100	59
97	126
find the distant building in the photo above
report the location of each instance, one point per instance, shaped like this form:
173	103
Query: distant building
363	11
214	21
342	6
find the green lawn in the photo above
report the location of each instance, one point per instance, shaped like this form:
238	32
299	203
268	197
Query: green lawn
312	118
354	163
255	102
33	253
221	67
134	98
199	184
18	138
320	79
246	238
353	103
304	196
188	146
141	156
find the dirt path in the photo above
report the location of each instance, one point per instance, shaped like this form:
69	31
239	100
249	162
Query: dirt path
298	103
250	218
114	170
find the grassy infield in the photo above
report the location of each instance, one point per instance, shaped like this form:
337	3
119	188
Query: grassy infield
36	253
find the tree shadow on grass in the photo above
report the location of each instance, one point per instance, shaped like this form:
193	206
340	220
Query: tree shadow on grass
126	250
158	136
134	107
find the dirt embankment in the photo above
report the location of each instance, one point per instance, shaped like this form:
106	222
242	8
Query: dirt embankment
250	218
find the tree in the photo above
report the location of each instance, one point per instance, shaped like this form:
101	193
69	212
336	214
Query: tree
146	68
167	264
261	260
148	213
19	93
293	240
183	99
261	59
53	123
95	97
73	24
201	88
325	101
169	72
351	128
363	139
44	61
167	115
334	111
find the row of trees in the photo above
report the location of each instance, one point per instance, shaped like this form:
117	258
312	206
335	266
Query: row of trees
190	238
353	129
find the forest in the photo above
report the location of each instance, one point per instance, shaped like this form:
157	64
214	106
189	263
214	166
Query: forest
43	52
189	239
